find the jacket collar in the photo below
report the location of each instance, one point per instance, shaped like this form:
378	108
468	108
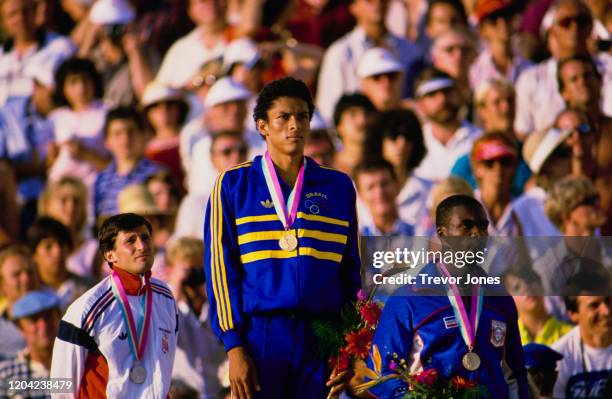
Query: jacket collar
310	173
132	283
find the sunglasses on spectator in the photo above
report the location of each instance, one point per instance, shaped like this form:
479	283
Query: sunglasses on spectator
585	128
504	162
226	152
582	21
464	48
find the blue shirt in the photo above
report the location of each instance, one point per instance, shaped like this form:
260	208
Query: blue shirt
419	325
463	169
109	184
247	271
24	133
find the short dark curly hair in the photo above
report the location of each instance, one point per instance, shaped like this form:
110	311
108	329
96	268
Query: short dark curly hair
285	87
47	227
352	100
76	66
117	223
395	123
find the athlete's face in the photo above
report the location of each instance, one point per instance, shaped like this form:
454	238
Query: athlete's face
465	229
286	126
133	251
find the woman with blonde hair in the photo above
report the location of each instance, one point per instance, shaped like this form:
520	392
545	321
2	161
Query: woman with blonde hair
66	200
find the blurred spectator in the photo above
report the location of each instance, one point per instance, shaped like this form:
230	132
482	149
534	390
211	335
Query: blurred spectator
494	104
200	84
38	315
494	159
25	43
541	364
208	40
9	210
551	155
567	26
535	323
338	73
318	144
440	17
26	133
497	20
162	188
377	187
226	109
66	200
243	63
127	65
125	138
447	135
352	115
574	207
380	78
227	149
165	110
199	354
586	349
600	9
17	277
453	53
78	149
51	243
318	22
580	86
399	139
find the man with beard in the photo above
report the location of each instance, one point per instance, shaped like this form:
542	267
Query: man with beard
426	326
447	135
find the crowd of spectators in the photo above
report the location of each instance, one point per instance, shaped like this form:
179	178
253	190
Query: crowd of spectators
111	106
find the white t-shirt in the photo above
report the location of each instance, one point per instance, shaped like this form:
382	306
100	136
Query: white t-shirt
573	380
440	158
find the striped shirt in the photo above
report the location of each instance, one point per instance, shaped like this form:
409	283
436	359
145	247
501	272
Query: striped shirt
109	184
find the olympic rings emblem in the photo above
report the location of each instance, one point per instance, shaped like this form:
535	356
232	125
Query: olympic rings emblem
312	207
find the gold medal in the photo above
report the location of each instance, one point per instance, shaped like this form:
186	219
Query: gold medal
288	242
138	374
471	361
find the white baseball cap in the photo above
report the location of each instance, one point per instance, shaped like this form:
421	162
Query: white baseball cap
376	61
226	90
156	92
243	51
539	146
111	12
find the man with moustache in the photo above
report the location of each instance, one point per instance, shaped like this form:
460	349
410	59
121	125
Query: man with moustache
454	329
281	240
447	135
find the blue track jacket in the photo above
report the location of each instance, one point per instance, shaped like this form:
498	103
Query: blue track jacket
247	271
424	332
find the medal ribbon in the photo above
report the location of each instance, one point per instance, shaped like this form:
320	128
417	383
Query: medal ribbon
136	338
286	212
467	326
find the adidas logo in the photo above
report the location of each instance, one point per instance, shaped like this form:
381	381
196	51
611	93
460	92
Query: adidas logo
122	336
267	204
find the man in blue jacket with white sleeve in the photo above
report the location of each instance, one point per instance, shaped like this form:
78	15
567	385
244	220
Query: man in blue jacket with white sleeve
282	249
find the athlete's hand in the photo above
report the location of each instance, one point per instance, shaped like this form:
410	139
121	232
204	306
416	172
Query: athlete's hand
339	382
242	374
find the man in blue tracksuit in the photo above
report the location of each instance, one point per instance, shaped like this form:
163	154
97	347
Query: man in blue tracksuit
420	323
281	250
